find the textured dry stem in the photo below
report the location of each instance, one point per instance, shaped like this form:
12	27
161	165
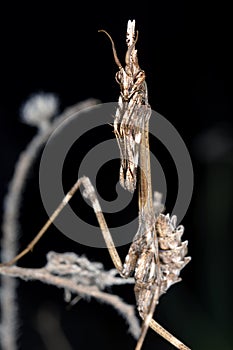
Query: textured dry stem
10	224
77	275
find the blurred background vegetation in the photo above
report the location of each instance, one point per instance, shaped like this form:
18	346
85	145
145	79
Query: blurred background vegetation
185	49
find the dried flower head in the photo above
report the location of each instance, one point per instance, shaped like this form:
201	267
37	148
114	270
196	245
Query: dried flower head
39	109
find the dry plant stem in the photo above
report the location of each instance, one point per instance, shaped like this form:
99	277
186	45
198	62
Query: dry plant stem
84	291
10	225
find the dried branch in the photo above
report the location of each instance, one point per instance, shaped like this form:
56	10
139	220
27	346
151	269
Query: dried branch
79	276
37	111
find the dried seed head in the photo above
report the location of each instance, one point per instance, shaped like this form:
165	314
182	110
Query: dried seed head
39	109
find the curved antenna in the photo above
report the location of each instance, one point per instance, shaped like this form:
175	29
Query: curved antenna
113	48
129	51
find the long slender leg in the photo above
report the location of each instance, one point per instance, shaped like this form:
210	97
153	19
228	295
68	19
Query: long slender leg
42	231
147	320
168	336
90	193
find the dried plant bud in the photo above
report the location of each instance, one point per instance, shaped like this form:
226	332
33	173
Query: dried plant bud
39	109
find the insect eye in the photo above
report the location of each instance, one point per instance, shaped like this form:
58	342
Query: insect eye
118	77
140	75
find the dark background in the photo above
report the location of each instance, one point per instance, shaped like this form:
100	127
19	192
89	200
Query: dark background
186	53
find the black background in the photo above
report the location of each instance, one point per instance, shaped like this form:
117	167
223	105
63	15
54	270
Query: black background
186	53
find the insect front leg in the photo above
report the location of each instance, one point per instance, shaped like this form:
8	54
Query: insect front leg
89	192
